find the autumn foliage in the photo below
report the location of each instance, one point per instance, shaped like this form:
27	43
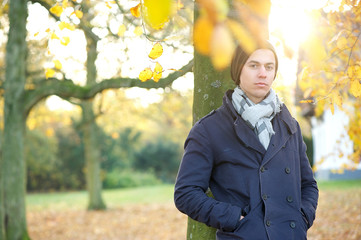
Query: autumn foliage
221	26
331	61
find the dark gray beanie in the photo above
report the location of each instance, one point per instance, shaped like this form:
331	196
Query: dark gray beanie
240	58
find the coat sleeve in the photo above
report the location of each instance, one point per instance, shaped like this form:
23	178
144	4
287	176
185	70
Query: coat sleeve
193	181
309	189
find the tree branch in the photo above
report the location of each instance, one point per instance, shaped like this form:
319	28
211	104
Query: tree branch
67	89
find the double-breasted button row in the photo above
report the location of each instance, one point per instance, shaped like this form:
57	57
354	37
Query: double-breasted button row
287	170
289	199
292	224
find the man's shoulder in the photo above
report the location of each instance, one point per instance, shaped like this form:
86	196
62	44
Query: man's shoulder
288	119
212	114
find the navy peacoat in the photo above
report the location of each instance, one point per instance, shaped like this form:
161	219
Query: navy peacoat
274	189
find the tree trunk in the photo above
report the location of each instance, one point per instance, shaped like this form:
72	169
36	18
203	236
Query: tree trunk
13	164
91	146
2	210
209	88
92	158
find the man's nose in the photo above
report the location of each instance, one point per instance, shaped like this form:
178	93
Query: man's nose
262	72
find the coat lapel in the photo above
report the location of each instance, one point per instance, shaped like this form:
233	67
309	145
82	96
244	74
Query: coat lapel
284	127
247	136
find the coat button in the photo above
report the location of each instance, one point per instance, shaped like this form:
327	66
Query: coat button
289	199
263	169
264	197
268	223
287	170
292	224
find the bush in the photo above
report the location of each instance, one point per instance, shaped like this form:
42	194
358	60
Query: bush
128	178
161	156
41	162
309	143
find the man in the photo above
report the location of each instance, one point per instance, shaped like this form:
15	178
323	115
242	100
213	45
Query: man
250	153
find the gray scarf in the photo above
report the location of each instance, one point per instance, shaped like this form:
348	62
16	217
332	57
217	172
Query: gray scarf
258	116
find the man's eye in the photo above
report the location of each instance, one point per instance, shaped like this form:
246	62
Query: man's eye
269	68
253	65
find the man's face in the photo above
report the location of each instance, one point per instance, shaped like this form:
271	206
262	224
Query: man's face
258	74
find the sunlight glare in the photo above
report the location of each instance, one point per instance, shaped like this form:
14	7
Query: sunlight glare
290	21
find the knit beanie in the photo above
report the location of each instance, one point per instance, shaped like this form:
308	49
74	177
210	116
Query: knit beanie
240	58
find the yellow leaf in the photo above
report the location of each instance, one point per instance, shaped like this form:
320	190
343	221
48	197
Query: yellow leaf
31	123
47	30
355	88
156	12
65	41
138	31
49	132
180	5
49	73
216	10
203	29
145	75
156	51
341	42
56	10
243	37
222	47
135	11
54	36
65	3
115	135
260	7
157	73
36	34
121	30
57	64
319	109
306	101
354	72
63	25
78	14
107	3
337	99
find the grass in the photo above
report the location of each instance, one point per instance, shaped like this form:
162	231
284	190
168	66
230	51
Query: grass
339	185
133	196
113	198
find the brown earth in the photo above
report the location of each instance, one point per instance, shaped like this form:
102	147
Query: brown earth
338	217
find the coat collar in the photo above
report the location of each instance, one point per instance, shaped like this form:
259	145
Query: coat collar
247	136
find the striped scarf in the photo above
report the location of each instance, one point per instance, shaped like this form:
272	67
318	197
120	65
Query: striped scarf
258	116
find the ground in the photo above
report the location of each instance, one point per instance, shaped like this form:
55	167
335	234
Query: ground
338	217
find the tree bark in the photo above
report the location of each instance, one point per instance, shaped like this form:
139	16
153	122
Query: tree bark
92	157
90	133
13	164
